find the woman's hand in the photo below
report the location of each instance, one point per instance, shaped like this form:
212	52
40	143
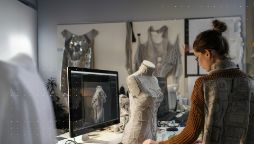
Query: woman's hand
149	141
198	142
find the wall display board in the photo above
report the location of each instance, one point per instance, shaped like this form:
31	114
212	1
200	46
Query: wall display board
168	43
110	46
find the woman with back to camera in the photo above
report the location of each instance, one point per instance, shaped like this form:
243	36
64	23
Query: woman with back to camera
223	101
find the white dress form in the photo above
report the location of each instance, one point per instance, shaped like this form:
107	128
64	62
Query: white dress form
145	96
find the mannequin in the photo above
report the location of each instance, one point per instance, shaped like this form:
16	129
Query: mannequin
145	96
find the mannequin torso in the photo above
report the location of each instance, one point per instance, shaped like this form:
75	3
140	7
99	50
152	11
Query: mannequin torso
145	98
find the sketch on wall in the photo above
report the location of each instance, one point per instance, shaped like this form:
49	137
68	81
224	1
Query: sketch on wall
232	34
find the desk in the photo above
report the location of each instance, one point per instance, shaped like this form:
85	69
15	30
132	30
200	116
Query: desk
107	137
163	135
103	137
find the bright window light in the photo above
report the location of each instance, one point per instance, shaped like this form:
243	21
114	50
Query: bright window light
20	44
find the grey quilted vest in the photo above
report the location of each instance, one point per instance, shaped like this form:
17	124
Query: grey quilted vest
229	109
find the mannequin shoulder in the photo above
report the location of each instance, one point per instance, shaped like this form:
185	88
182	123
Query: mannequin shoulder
132	85
130	78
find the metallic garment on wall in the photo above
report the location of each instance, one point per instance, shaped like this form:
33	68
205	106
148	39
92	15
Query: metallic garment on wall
78	52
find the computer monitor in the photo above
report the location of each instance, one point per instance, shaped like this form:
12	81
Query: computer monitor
93	99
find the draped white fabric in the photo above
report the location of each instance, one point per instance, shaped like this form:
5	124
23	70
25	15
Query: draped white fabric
26	114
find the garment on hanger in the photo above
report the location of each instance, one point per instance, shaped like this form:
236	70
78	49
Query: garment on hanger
26	114
139	55
128	46
165	56
78	52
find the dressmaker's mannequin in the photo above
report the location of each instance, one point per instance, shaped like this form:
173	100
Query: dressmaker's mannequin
145	97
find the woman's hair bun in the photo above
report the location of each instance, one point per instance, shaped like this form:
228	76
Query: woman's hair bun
219	26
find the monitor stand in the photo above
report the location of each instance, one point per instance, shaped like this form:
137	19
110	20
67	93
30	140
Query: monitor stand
89	138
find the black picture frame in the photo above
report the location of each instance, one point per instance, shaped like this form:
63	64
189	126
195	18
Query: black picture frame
191	66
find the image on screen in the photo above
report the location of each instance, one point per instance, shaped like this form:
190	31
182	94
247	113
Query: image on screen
93	99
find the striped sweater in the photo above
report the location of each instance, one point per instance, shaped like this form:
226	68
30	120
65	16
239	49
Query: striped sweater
195	122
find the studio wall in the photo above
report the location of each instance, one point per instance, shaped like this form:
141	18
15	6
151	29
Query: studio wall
54	12
109	46
18	30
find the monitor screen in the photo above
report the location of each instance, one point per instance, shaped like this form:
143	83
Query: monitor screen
93	99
